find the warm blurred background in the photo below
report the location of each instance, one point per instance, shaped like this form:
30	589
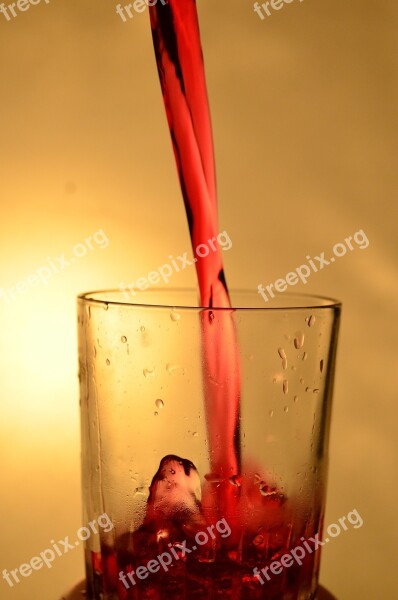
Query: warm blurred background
304	113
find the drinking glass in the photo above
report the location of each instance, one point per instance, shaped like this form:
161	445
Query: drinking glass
149	438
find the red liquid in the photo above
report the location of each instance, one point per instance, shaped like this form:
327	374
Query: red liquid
264	525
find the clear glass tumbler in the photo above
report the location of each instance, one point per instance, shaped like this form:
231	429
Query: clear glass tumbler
181	530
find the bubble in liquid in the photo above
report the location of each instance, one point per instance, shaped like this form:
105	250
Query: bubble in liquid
124	339
174	316
282	353
299	340
148	372
159	403
108	362
284	364
311	321
285	386
321	365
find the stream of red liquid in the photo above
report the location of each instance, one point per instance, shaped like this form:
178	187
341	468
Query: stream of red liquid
179	58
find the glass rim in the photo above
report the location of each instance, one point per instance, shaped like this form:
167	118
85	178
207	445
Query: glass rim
312	301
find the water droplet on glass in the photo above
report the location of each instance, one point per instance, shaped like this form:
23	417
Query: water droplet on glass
142	329
266	490
171	369
156	413
299	340
108	362
174	316
211	316
106	306
311	321
307	389
286	409
301	380
148	372
315	391
321	364
284	364
294	368
271	413
236	480
296	398
195	434
124	339
285	386
95	351
282	353
159	403
305	356
140	490
162	534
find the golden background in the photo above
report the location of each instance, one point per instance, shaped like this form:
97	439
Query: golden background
304	114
